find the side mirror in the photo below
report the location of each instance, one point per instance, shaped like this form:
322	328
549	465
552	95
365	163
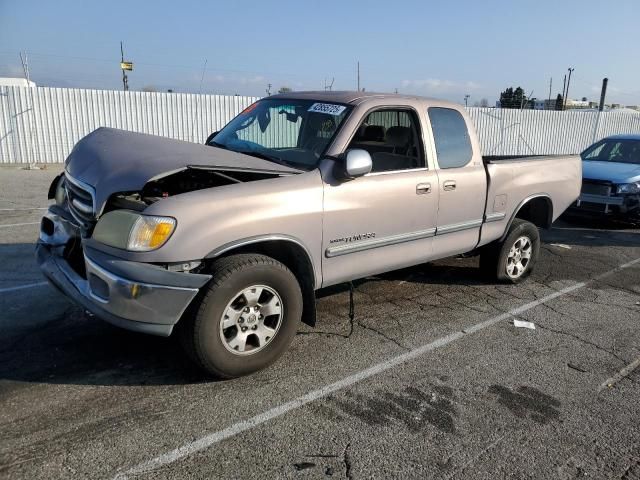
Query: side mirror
210	137
358	163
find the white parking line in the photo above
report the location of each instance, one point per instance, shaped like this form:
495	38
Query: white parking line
244	425
19	224
609	383
22	287
22	209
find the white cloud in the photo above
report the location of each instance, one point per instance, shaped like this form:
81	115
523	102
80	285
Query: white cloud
12	70
436	85
251	80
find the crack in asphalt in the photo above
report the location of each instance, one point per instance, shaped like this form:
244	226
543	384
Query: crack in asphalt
476	457
346	458
576	368
580	339
383	335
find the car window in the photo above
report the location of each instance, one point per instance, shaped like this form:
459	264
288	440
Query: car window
392	138
287	131
451	137
596	152
618	151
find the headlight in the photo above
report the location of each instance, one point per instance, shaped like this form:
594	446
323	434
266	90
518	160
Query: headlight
628	188
131	231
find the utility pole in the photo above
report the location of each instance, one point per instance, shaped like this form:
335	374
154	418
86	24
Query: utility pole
564	88
550	83
358	76
125	80
268	90
25	66
466	99
125	66
603	93
568	82
329	87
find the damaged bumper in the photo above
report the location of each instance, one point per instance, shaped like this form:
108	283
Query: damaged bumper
132	295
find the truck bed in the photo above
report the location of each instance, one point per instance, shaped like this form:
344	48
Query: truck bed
512	181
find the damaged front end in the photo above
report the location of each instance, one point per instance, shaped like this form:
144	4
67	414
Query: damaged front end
133	295
144	297
93	239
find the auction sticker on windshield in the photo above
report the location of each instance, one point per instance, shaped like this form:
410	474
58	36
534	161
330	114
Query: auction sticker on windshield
327	108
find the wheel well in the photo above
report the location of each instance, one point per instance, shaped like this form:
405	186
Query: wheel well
538	210
296	259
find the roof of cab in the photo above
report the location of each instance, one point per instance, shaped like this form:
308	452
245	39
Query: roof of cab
624	136
352	97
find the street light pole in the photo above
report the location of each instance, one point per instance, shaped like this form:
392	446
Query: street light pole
125	83
466	99
568	82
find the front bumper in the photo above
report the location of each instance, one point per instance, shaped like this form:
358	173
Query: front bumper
132	295
608	204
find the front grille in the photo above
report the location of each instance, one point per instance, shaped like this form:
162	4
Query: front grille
80	201
594	207
596	188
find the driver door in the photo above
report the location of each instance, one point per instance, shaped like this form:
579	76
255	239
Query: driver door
385	219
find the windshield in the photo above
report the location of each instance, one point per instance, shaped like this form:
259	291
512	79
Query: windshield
285	131
618	151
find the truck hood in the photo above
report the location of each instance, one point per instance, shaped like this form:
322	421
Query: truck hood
112	160
611	171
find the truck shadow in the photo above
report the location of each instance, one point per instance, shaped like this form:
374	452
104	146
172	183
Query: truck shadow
593	232
74	348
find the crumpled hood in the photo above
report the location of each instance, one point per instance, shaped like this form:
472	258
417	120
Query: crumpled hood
112	160
611	171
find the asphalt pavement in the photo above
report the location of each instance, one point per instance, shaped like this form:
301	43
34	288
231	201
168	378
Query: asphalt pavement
430	380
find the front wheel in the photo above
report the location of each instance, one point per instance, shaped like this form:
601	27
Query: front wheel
512	260
247	317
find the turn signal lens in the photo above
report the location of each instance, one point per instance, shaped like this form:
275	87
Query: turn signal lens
149	233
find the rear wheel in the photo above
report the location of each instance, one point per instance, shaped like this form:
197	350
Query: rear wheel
512	260
247	317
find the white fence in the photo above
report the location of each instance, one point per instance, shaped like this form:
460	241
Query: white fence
546	132
41	125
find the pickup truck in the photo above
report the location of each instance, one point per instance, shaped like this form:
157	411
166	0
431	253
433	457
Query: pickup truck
226	243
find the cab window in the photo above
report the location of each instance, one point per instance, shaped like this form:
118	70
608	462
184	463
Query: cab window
392	138
451	137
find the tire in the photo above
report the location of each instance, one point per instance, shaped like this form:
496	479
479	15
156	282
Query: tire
252	285
503	264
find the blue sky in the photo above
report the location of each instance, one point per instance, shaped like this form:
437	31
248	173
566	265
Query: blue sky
444	49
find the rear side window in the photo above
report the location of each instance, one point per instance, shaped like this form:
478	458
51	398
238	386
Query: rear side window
451	137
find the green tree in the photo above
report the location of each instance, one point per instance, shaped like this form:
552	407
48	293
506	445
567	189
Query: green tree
284	90
559	102
513	98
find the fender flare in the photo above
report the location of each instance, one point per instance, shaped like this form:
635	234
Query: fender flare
216	252
308	291
526	200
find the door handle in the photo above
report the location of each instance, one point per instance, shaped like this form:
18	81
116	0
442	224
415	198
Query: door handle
449	185
423	188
